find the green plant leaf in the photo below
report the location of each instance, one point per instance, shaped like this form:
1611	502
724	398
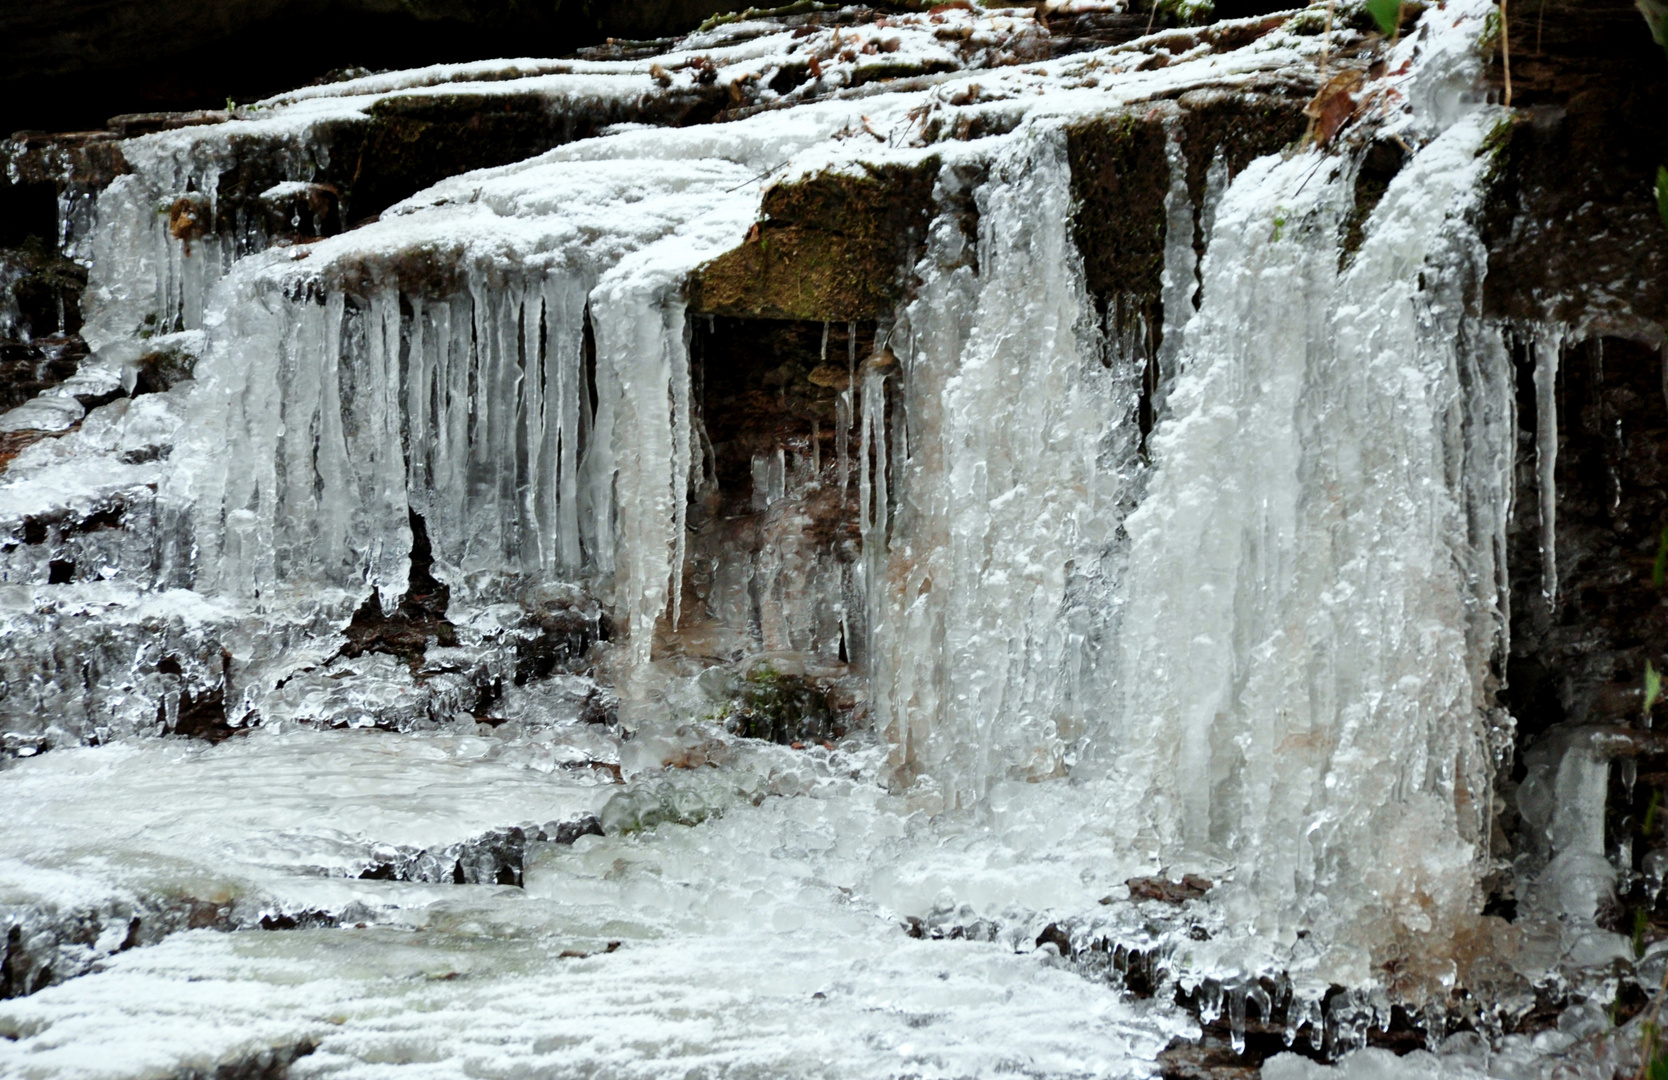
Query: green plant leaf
1653	686
1662	193
1387	13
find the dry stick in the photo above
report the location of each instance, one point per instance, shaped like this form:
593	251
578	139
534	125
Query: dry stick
1506	53
1326	41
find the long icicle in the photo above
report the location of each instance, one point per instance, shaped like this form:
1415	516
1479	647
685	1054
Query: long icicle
1546	459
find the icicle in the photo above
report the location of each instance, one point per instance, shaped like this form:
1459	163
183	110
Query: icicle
1258	996
873	494
1236	1019
1655	868
564	305
1546	458
1433	1018
1178	277
643	412
419	421
1210	1001
1346	1024
1623	858
682	457
532	536
1378	1001
760	472
864	439
1305	1011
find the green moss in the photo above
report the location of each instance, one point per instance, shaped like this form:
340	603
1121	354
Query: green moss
833	247
1187	12
1488	42
1497	147
800	7
767	704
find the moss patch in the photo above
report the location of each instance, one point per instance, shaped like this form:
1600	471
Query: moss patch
780	708
832	247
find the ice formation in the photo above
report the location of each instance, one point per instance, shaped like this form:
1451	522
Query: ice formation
1254	644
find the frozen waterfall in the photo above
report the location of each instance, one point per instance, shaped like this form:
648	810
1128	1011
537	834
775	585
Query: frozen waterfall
1142	642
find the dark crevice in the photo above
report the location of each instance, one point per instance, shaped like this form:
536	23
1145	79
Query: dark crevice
1382	161
419	618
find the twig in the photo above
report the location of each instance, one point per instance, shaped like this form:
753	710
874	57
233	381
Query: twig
1506	53
755	179
1326	41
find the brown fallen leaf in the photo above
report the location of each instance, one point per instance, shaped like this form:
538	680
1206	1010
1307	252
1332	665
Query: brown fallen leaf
1333	105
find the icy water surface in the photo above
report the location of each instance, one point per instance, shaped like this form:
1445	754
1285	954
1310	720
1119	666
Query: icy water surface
763	941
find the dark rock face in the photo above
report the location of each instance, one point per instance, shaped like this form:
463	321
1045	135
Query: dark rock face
1575	240
774	533
1571	225
69	64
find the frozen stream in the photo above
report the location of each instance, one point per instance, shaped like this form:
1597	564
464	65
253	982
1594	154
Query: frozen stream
764	942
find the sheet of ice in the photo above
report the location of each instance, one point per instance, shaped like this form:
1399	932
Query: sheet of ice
1280	676
721	963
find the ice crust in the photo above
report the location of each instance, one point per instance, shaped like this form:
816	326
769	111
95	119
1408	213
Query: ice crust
1256	647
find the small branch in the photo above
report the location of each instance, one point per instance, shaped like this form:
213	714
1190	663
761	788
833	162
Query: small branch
1326	41
1506	53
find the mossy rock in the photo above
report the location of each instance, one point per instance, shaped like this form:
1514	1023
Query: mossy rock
1119	177
834	247
778	707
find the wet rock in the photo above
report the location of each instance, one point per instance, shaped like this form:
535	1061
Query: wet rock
170	361
27	368
46	945
555	640
493	858
272	1063
1571	224
566	832
419	619
40	290
1190	887
1054	935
